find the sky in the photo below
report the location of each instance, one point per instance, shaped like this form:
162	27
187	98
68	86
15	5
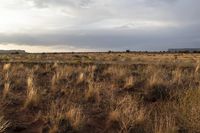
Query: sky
99	25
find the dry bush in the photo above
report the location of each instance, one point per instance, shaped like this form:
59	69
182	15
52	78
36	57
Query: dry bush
155	76
154	80
81	77
6	67
197	68
6	89
54	79
60	73
64	117
114	116
157	86
93	92
4	124
55	65
75	116
129	82
55	115
161	118
6	76
117	72
118	76
57	76
69	70
127	111
32	92
35	67
90	70
177	75
189	109
164	123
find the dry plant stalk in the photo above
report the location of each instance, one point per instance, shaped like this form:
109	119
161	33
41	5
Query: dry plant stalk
3	124
127	113
75	116
177	76
71	114
164	124
197	68
55	115
32	94
57	76
6	81
93	92
6	89
6	67
114	116
81	77
189	109
6	76
129	81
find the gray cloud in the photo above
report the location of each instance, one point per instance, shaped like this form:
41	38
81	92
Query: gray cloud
122	24
114	39
68	3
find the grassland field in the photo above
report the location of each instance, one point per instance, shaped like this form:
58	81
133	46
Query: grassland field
100	93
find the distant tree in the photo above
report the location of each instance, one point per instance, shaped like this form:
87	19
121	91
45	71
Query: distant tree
15	52
186	51
128	51
196	52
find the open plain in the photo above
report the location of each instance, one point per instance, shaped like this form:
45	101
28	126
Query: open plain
100	93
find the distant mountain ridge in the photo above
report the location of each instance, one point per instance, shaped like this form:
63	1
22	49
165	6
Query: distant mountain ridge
184	50
12	51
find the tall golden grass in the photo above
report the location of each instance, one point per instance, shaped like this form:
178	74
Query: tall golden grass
161	97
32	93
4	124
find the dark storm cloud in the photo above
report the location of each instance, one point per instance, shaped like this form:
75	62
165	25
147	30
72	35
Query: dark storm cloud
115	39
118	25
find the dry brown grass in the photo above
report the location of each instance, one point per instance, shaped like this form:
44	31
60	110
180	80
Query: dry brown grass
6	72
197	68
6	67
93	92
55	115
123	93
57	76
4	124
127	113
6	89
117	72
189	109
75	117
129	82
81	77
165	124
113	116
32	92
64	117
177	74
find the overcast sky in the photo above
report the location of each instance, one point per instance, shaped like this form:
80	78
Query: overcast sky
99	25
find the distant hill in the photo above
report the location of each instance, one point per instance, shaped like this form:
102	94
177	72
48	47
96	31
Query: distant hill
185	50
12	51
